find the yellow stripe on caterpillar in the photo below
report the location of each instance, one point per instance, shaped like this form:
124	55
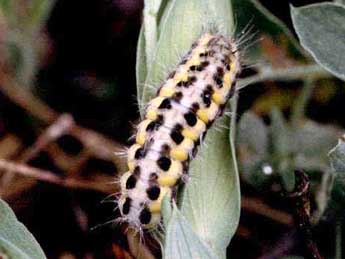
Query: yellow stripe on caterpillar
219	98
190	134
141	138
181	76
179	154
167	91
208	114
227	80
156	205
171	177
151	115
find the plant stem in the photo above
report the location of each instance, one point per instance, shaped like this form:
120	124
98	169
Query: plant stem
338	239
150	28
298	109
300	203
284	74
232	132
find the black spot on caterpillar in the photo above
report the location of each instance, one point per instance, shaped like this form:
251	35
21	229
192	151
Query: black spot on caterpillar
176	121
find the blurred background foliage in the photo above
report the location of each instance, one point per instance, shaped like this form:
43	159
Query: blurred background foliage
68	102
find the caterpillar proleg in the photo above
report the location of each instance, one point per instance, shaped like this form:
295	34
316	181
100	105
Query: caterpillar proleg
175	123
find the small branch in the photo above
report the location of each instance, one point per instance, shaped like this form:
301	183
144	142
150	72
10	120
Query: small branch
258	206
98	145
299	198
284	74
338	239
101	146
23	98
101	185
298	111
62	125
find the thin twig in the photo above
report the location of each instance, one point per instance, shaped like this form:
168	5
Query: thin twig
299	198
10	145
23	98
338	239
298	111
284	74
259	207
99	145
62	125
101	185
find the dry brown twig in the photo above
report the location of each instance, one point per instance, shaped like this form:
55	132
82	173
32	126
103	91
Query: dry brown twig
94	143
99	145
60	127
259	207
103	185
300	201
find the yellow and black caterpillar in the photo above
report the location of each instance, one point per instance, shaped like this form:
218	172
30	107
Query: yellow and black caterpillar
175	123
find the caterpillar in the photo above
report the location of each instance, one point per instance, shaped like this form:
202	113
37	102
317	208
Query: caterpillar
175	123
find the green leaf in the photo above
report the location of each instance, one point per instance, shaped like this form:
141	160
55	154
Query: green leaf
6	6
22	51
15	240
147	43
281	134
141	67
337	160
284	146
253	133
252	14
211	201
150	27
337	157
321	30
182	242
166	209
253	143
38	12
313	142
340	1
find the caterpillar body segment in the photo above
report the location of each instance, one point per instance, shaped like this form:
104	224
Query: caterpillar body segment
175	123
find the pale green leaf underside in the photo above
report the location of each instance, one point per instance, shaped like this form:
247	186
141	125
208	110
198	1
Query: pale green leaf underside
141	66
321	30
253	133
211	201
181	240
15	240
339	1
337	157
